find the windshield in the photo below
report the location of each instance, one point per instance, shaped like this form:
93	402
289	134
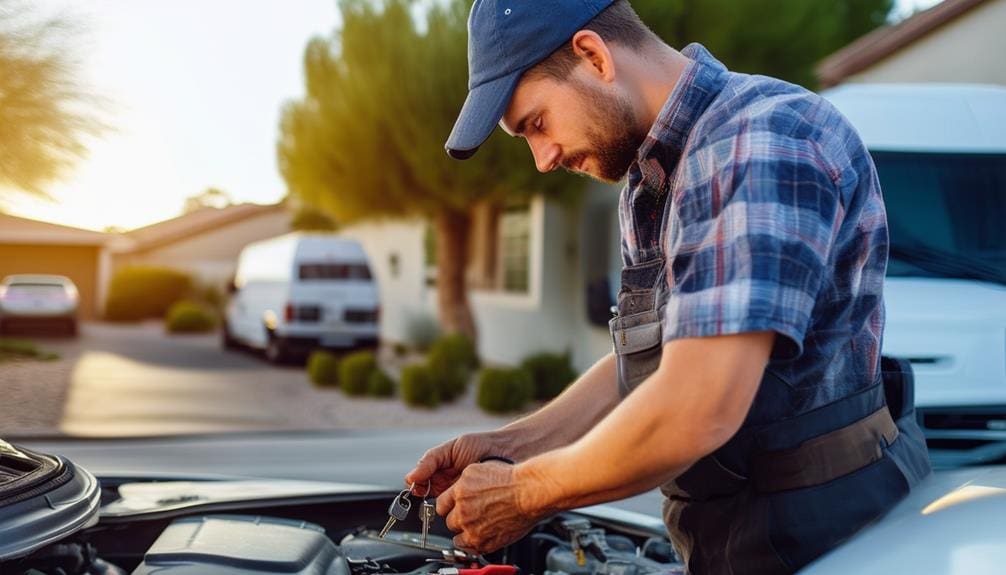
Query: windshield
259	229
945	213
334	272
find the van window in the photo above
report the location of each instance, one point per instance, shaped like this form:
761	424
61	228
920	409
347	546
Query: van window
334	272
945	213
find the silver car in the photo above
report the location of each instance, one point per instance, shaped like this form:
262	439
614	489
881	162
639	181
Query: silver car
48	302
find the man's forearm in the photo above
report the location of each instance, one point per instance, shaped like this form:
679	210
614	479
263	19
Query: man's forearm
685	410
566	418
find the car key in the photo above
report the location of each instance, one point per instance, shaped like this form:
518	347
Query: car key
426	511
397	511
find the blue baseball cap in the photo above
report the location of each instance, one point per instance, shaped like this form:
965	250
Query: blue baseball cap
505	39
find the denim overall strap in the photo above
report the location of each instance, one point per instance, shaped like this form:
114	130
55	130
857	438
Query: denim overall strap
637	337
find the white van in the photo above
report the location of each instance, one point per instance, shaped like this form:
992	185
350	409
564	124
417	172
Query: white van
299	292
940	152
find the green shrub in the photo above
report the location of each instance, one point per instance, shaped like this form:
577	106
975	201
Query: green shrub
323	369
452	360
190	317
380	384
418	387
19	348
209	294
400	349
504	390
137	293
354	372
550	372
421	332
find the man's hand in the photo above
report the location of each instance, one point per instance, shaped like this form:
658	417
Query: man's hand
442	465
484	508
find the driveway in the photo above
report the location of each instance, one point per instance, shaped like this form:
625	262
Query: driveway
134	380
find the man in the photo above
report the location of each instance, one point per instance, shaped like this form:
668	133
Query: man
746	378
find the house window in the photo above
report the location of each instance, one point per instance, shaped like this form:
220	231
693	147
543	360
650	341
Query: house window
514	248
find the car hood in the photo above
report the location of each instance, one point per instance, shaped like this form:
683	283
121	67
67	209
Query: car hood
951	524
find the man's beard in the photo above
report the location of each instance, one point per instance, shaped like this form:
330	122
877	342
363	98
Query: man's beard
613	133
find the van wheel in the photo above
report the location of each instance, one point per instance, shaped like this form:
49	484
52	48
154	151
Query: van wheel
275	350
227	341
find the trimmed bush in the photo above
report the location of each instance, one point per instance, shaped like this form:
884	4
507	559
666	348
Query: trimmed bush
421	332
323	369
504	390
418	388
550	372
137	293
452	360
190	317
380	384
19	348
354	372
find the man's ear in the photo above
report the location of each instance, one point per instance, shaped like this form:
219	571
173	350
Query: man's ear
589	46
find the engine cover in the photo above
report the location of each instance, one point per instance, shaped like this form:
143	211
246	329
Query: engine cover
238	544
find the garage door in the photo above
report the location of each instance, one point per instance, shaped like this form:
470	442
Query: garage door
79	263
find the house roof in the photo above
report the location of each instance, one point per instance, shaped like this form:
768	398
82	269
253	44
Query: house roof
882	42
193	223
15	230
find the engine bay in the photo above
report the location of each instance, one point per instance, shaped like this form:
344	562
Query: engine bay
175	528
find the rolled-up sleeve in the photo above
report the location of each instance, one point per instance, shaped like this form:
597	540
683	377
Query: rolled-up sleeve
753	240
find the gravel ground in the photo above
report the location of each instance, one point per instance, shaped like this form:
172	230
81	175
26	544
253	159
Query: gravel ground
135	380
33	393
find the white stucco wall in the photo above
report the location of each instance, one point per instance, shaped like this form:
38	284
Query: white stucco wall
550	317
403	295
970	49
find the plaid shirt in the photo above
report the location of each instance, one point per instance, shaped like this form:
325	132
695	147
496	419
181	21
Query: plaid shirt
769	211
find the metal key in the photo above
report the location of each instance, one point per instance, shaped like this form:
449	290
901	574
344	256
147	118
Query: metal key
426	511
397	511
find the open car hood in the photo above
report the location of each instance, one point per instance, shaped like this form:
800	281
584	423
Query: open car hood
43	499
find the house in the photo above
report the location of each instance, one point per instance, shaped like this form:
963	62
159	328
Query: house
529	272
956	41
34	247
205	243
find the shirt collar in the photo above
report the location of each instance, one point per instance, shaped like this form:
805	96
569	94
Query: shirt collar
701	81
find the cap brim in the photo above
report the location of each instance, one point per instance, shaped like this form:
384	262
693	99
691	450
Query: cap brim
483	109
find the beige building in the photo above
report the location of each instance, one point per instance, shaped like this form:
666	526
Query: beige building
34	247
956	41
205	243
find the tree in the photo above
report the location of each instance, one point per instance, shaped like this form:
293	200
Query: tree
780	38
367	139
382	93
44	113
308	219
208	198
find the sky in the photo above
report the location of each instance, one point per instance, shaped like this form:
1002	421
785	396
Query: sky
193	92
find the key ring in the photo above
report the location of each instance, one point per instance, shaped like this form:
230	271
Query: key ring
429	488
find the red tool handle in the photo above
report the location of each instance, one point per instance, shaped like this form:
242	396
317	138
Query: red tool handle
490	570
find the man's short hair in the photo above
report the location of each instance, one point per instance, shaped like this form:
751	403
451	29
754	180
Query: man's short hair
618	24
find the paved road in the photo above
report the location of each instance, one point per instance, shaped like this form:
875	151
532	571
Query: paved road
135	380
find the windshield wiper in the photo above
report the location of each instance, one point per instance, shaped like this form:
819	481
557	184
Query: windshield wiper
947	264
